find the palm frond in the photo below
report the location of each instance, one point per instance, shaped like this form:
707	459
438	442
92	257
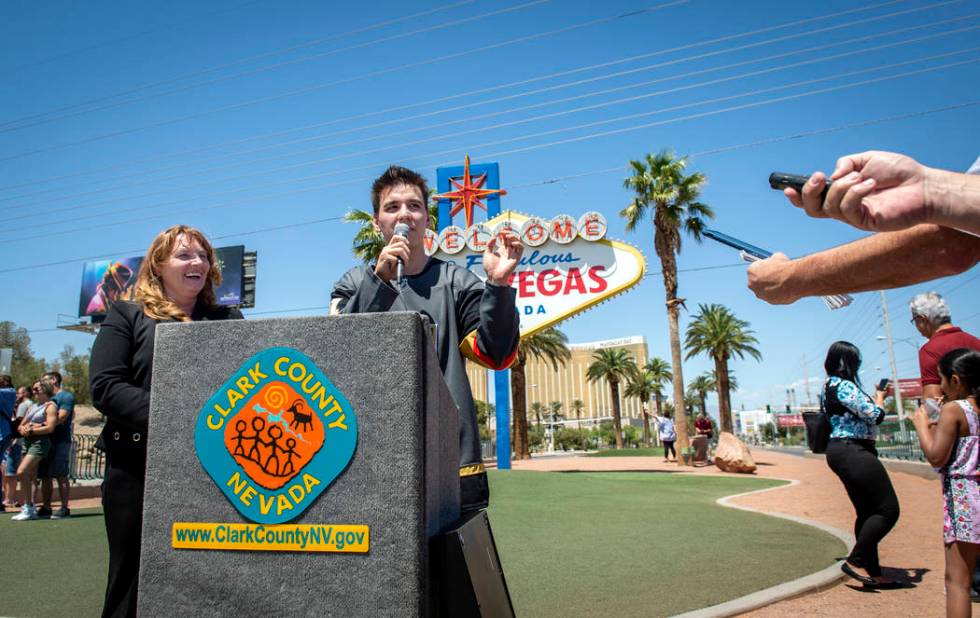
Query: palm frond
550	345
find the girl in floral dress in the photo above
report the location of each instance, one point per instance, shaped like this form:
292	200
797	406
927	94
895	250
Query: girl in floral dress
953	445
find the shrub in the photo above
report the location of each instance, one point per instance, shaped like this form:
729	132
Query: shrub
568	439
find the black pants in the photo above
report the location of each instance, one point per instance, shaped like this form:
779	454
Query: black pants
871	493
474	493
122	500
669	448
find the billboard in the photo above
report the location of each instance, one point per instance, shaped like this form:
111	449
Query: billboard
107	280
910	388
789	420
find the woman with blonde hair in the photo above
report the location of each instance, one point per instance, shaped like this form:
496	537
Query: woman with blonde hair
176	283
36	428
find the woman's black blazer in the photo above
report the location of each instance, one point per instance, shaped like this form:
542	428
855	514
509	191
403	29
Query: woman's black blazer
121	368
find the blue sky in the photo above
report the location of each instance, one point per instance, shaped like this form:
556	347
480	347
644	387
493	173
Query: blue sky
236	117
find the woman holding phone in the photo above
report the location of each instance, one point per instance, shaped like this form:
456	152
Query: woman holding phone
852	456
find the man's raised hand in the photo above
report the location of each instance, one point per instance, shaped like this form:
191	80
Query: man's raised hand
501	257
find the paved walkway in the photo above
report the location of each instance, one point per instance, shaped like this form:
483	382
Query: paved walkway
912	552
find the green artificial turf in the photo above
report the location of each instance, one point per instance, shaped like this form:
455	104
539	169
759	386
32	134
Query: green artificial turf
640	544
629	452
572	544
54	567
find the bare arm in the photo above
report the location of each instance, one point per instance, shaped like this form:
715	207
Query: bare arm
937	443
954	200
50	421
880	261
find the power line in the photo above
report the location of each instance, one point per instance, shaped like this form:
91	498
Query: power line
107	42
471	119
970	317
325	307
550	181
125	251
321	86
795	24
49	233
765	142
5	128
948	292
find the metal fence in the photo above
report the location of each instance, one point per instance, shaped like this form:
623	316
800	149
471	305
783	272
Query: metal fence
87	462
895	444
910	451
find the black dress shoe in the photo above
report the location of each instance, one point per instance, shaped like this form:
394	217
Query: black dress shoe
864	579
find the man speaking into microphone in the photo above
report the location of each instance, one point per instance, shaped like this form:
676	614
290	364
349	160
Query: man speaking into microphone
473	319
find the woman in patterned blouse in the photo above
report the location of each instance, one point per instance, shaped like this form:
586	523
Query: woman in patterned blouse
852	456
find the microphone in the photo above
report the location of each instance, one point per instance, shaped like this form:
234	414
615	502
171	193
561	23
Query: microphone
401	229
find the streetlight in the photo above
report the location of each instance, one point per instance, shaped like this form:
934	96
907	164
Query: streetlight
891	357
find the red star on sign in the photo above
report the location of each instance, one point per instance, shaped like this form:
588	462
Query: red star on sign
468	193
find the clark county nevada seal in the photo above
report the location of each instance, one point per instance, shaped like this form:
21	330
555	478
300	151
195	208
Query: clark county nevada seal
275	435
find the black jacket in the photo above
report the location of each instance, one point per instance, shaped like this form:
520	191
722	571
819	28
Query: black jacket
121	368
472	318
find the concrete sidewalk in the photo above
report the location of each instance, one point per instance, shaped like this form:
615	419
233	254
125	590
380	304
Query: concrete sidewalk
912	552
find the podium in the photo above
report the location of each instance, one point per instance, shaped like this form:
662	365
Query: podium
371	385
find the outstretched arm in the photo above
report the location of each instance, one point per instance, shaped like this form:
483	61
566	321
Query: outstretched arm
885	191
881	261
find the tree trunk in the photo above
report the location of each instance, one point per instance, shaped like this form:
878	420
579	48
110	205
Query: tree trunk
517	390
646	424
724	401
703	396
617	425
664	241
660	411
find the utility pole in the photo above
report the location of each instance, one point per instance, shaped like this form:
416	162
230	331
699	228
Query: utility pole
806	380
891	357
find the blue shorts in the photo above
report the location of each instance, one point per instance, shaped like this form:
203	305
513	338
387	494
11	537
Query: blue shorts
56	464
11	458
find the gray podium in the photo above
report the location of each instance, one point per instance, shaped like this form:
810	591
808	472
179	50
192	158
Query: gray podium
401	482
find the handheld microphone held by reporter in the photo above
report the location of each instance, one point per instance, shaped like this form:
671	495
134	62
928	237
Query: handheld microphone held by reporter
783	180
401	229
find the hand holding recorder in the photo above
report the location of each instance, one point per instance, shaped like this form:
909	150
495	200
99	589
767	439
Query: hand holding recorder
885	191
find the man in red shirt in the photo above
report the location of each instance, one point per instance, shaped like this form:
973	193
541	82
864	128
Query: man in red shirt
932	319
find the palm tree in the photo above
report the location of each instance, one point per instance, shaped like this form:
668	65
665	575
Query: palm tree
701	386
550	346
577	405
732	380
659	370
367	243
615	365
641	384
555	408
671	198
691	402
716	332
536	408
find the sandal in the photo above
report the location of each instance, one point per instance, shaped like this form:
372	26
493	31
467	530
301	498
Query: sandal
864	579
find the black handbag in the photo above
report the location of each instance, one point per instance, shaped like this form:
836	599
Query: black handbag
817	428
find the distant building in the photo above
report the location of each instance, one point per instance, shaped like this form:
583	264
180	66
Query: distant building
750	422
545	385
